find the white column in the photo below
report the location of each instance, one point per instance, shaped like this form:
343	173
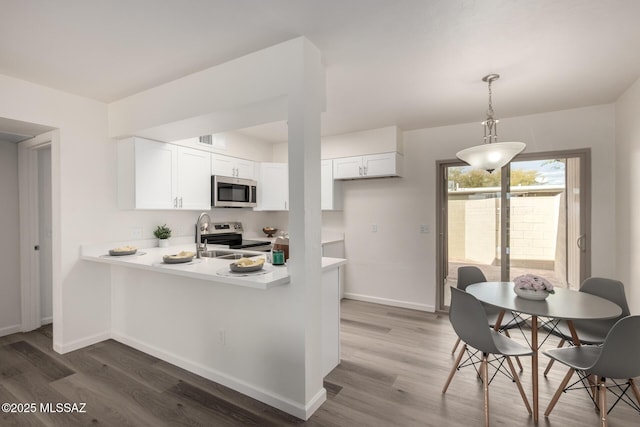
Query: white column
306	102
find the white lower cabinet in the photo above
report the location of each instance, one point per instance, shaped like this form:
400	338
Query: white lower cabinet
273	187
158	175
369	166
330	320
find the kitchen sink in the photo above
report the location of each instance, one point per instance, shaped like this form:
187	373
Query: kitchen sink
225	254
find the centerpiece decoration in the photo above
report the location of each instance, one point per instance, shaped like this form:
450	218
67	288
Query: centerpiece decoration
532	287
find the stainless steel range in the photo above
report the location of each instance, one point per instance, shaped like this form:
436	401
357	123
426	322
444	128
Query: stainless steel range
230	234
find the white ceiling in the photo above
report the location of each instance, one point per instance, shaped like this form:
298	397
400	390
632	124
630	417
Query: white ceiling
411	63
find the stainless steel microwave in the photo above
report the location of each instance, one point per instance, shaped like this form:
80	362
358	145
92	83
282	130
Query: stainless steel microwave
229	192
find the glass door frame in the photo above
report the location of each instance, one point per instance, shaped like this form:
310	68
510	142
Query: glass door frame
584	243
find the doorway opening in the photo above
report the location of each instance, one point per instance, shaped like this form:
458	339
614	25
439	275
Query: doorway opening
533	216
36	230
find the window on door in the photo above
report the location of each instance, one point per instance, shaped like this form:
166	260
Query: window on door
530	217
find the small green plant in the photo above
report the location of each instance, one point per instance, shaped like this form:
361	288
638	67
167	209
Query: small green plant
162	232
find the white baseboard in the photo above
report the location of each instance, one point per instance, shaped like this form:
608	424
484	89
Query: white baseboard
390	302
46	320
8	330
83	342
315	403
272	399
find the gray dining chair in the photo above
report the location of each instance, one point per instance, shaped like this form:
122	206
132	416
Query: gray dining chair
469	320
469	275
617	358
591	331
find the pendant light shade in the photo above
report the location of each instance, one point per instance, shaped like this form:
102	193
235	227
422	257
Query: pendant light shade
492	154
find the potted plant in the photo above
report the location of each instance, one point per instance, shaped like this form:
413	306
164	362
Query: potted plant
162	233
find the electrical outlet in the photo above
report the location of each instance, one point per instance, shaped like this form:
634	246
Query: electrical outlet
374	228
135	232
424	229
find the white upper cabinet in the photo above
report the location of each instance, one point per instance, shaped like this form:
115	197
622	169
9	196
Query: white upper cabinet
369	166
154	174
194	179
347	167
331	190
157	175
232	166
245	169
273	187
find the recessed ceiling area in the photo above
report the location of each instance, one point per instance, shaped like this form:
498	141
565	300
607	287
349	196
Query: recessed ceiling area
410	63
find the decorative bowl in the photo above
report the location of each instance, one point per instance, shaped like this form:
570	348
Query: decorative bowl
179	258
269	231
125	250
240	269
531	294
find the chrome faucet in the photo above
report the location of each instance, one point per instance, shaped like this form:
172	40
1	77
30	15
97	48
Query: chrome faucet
200	227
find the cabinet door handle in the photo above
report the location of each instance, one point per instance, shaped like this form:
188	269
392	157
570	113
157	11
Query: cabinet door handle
180	201
360	170
365	171
175	202
285	205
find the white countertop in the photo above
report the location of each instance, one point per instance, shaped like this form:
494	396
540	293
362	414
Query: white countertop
211	269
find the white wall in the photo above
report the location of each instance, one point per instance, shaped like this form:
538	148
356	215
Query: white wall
83	186
10	240
396	264
627	176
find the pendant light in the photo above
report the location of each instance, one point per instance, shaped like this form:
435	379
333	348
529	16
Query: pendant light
492	154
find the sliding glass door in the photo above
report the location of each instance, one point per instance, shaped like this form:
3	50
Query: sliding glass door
530	217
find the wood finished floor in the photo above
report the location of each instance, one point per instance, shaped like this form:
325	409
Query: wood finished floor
394	364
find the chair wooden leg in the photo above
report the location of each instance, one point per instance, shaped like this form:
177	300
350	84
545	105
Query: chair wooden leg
519	384
550	364
556	396
455	346
485	383
506	332
454	368
602	401
593	383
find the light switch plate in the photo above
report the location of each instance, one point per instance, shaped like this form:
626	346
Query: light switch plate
135	232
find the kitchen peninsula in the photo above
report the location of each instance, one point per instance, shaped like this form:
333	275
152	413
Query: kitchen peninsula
215	325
